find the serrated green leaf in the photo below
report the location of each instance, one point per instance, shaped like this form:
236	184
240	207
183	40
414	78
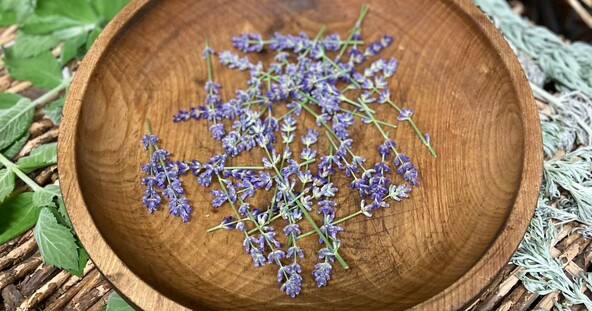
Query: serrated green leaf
116	303
53	110
57	244
80	10
18	215
45	197
71	48
39	157
42	70
13	149
27	45
40	25
6	183
63	213
92	36
8	100
15	121
107	9
82	260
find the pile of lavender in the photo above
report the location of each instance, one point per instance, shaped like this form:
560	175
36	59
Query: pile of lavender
321	77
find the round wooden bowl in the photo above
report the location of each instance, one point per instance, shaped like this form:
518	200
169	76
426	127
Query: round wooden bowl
435	251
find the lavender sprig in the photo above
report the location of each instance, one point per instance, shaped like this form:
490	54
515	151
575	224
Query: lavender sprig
159	176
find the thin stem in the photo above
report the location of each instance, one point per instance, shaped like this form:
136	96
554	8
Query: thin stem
311	221
17	171
357	26
208	60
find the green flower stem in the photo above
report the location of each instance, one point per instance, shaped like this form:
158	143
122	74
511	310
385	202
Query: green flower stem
17	171
348	217
208	60
312	222
390	102
357	26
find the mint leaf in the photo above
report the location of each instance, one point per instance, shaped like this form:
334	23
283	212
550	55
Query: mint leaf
80	10
116	303
40	25
72	48
27	45
53	110
39	157
45	197
107	9
13	149
57	244
15	121
18	215
6	183
42	70
63	213
82	260
8	100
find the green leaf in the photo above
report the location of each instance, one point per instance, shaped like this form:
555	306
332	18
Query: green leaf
116	303
40	25
57	244
8	100
45	197
6	183
18	215
71	48
7	18
63	213
27	45
80	10
53	110
42	70
20	8
82	260
92	37
39	157
15	121
13	149
107	9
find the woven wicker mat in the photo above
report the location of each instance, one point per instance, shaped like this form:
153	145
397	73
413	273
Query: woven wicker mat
28	284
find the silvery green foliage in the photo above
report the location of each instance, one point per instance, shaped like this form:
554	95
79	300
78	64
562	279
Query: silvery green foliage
544	274
571	173
566	193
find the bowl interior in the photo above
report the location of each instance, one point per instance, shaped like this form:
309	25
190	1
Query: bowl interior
449	73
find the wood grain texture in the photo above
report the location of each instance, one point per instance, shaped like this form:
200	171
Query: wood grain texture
436	251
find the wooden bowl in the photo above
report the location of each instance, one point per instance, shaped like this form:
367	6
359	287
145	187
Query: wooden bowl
436	251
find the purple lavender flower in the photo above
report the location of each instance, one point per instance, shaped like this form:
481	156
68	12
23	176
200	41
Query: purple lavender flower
250	42
293	284
207	51
292	229
227	223
149	140
294	251
405	114
217	131
258	257
162	177
322	273
332	42
390	67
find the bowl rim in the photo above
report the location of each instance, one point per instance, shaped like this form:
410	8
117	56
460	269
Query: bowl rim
460	293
